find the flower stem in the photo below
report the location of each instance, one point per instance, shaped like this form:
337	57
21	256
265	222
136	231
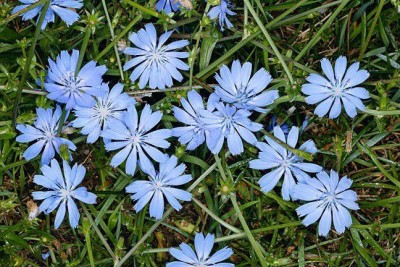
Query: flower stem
29	61
270	41
85	42
215	217
113	36
254	243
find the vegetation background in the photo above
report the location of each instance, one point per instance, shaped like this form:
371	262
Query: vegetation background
266	33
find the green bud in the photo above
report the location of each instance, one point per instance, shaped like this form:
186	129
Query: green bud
214	2
64	152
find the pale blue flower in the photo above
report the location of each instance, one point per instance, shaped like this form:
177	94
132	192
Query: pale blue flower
194	133
340	88
328	199
162	184
231	123
62	191
96	118
44	132
168	6
155	62
283	162
237	87
134	138
45	255
273	122
64	87
222	11
65	9
201	256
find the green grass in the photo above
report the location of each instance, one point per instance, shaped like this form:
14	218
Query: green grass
288	38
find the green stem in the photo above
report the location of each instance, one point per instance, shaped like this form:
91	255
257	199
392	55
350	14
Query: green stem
105	243
29	61
269	40
254	243
143	9
196	47
256	231
382	112
85	43
371	31
373	156
303	154
61	121
119	36
317	37
113	36
215	217
22	11
89	248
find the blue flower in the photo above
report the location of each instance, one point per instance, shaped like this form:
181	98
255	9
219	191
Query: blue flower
273	122
327	197
203	246
155	63
64	87
135	138
167	5
194	133
230	123
338	89
96	118
62	191
45	134
236	87
161	184
63	8
283	162
222	11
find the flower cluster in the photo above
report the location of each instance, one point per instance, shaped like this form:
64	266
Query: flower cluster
137	140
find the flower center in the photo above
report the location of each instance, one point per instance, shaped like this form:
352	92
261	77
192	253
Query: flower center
242	95
330	198
135	139
71	82
49	134
157	185
337	91
157	55
104	112
65	193
286	163
201	264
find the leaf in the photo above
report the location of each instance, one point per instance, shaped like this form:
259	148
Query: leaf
206	49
